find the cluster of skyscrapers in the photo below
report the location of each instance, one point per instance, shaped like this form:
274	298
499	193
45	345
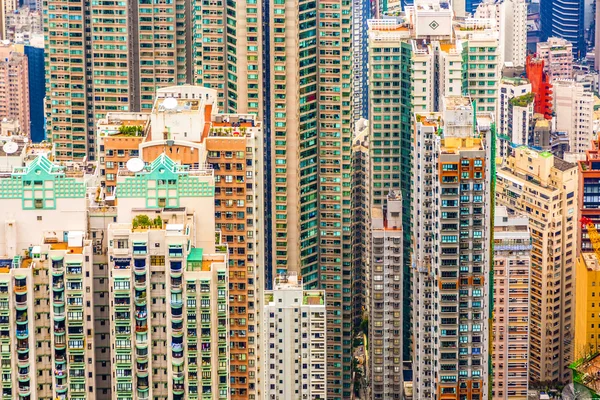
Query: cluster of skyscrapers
312	199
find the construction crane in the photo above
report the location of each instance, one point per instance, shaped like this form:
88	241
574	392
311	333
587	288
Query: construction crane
593	234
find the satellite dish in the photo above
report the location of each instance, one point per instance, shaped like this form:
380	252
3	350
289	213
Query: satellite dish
170	103
10	147
135	164
25	140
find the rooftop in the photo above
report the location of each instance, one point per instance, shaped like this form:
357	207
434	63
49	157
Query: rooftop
561	164
591	260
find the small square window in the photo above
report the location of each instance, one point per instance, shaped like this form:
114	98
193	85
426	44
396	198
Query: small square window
39	217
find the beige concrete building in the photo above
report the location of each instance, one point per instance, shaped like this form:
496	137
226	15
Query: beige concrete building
451	247
385	298
557	54
294	335
544	188
14	86
574	109
510	346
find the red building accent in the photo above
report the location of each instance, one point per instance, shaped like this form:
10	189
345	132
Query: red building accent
540	86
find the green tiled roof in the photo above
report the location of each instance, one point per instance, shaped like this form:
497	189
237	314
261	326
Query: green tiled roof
195	255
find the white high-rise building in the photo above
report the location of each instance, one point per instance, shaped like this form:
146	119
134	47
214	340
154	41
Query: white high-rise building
385	310
574	108
511	21
295	326
451	197
515	111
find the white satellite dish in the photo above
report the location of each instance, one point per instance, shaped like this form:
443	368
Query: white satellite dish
10	147
25	140
135	164
170	103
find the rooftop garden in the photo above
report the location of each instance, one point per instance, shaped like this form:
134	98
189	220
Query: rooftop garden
144	222
131	130
522	101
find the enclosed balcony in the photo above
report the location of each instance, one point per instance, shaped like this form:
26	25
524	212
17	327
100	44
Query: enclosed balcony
22	333
22	317
20	284
58	298
140	296
175	251
139	265
142	383
74	269
58	268
122	302
176	283
57	284
141	326
23	374
140	248
141	313
140	280
176	268
22	346
177	328
21	301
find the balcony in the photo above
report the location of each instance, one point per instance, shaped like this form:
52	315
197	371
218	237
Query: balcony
22	333
58	286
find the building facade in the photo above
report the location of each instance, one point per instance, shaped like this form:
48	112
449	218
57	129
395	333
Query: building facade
294	335
14	86
512	262
574	108
451	337
586	316
564	19
589	193
557	54
544	188
385	309
515	114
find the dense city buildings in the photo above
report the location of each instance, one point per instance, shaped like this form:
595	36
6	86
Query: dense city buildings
385	308
415	60
564	19
14	86
510	346
544	188
453	156
294	332
153	49
311	138
574	110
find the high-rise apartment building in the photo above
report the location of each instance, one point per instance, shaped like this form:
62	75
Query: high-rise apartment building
574	109
589	193
451	275
215	44
361	220
544	188
295	345
557	54
415	60
311	138
511	21
385	308
587	318
564	19
192	132
14	86
510	346
515	113
361	12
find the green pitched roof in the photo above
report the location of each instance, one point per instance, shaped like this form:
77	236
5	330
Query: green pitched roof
195	255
